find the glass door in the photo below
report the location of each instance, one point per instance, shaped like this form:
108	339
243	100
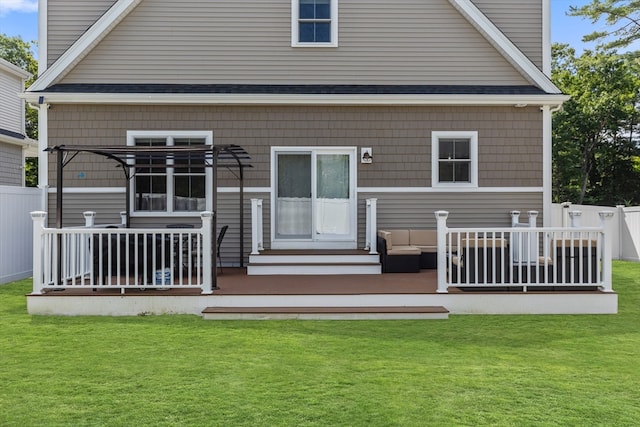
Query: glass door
314	198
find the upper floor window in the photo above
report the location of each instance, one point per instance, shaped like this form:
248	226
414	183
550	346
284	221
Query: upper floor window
454	159
314	23
161	185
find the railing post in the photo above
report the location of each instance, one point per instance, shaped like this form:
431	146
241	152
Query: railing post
207	281
441	218
89	219
575	218
515	217
607	276
372	226
565	214
38	218
533	239
256	227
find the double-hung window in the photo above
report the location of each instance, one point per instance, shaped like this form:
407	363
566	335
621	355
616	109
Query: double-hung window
314	23
454	159
169	185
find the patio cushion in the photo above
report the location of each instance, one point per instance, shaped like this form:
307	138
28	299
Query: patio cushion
426	240
400	237
404	250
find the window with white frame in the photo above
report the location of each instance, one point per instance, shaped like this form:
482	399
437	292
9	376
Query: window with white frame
454	159
161	185
314	23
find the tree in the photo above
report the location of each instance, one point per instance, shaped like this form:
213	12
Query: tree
595	146
623	16
18	52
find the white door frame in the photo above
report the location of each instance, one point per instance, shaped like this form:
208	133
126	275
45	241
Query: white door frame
348	242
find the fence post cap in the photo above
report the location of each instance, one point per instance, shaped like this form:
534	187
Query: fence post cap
606	214
38	214
207	214
441	214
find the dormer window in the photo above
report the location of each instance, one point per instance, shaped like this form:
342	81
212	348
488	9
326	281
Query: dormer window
314	23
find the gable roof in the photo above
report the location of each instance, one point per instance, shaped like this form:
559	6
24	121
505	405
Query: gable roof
97	32
14	69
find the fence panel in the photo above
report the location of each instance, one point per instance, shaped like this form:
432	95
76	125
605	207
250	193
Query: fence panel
16	232
624	228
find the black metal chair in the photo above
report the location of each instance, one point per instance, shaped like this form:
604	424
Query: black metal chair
223	231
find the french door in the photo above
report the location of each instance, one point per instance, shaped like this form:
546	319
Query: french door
314	200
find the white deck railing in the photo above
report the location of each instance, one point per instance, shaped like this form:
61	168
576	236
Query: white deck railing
523	257
121	258
257	226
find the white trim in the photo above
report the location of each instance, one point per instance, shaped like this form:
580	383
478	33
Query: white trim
43	143
170	136
288	99
547	165
84	44
546	37
372	190
504	45
25	143
295	12
472	136
359	190
43	39
14	70
246	190
90	190
343	242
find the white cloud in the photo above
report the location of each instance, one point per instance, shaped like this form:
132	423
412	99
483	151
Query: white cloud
27	6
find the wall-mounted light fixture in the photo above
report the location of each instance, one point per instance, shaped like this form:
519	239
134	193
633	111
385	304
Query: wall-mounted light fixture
366	155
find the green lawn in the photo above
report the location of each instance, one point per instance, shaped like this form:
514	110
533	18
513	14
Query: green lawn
579	370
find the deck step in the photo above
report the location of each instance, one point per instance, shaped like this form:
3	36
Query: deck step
269	269
313	262
325	313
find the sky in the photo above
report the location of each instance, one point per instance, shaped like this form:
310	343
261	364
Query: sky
20	18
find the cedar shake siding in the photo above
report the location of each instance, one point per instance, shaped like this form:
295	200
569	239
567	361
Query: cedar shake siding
249	42
509	138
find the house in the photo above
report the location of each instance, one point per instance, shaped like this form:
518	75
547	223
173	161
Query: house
15	146
422	105
16	201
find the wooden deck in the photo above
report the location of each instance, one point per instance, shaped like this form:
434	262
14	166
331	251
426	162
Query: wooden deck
235	281
320	297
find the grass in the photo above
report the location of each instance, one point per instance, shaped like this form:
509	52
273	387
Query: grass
181	370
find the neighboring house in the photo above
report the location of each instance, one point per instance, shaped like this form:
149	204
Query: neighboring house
15	201
15	146
423	104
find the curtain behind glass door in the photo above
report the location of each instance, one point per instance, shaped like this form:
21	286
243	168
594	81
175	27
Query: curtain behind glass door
293	201
333	204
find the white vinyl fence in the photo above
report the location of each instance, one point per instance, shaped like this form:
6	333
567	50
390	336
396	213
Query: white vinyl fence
624	228
16	231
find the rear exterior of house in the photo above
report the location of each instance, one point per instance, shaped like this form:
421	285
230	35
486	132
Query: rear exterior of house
424	105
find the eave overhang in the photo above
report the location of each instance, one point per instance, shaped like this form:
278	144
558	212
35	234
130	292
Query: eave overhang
294	99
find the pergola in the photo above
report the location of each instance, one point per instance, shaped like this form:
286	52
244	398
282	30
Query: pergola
231	157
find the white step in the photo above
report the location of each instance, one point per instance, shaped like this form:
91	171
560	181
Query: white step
295	268
325	313
276	258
